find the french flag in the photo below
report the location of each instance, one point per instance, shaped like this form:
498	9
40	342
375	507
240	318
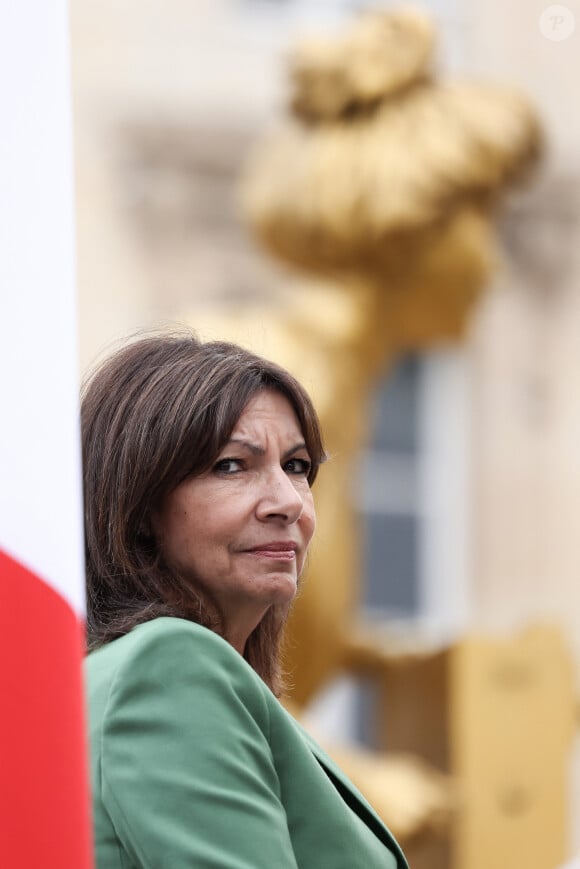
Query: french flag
44	802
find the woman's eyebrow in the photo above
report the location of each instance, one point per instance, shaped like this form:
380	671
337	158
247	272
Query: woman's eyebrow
295	449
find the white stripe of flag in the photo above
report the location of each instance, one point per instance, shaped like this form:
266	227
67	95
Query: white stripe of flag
40	495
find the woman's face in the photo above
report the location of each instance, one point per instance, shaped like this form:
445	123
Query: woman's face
241	529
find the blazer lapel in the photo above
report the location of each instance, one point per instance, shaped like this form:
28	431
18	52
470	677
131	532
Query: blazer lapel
354	799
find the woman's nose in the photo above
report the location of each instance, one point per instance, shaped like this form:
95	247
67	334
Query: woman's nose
280	498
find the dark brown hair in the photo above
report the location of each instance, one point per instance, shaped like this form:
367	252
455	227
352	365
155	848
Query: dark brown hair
156	412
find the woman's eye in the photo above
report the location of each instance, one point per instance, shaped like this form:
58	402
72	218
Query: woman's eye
228	466
298	466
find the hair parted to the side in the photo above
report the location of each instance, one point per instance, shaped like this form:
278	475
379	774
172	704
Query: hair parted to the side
154	413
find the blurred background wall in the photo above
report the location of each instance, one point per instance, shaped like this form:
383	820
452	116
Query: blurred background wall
476	508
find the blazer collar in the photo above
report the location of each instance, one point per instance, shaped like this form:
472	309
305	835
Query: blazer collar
355	799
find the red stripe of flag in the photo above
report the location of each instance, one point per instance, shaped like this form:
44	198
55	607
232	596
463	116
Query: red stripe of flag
44	807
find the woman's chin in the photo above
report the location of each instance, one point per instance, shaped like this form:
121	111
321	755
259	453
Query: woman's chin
281	588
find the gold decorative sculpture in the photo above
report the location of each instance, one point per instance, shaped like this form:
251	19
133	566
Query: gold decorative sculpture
381	187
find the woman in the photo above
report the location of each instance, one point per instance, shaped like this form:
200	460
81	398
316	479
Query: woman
198	462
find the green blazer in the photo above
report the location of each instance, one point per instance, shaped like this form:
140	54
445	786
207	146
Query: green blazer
196	764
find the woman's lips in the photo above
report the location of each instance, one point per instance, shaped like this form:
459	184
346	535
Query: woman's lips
277	551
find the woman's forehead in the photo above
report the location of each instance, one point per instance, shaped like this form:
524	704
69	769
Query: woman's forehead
268	411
